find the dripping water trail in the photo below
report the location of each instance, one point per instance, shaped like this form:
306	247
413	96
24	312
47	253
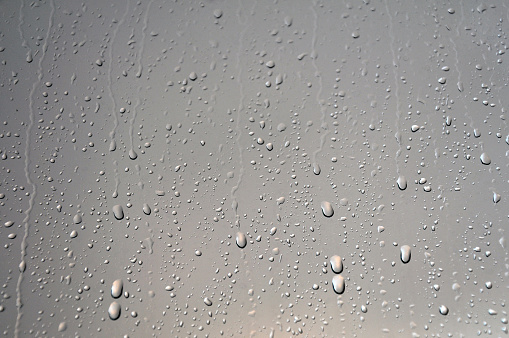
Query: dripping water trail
143	38
396	83
26	220
113	144
239	110
314	56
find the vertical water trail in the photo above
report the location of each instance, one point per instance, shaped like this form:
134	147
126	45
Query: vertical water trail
131	126
26	220
314	56
21	22
458	70
240	108
113	144
396	84
143	37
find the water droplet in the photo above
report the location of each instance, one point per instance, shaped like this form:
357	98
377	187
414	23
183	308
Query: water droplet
116	288
496	197
146	209
132	154
77	219
217	13
336	264
316	169
402	183
74	234
118	212
338	284
62	327
241	240
281	127
443	310
485	159
405	253
8	224
288	21
114	311
207	301
280	200
22	266
327	209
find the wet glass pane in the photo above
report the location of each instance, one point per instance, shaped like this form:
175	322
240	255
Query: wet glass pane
254	168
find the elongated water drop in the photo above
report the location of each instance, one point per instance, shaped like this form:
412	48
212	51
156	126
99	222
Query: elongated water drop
114	311
118	212
336	264
116	288
241	240
327	209
338	284
405	253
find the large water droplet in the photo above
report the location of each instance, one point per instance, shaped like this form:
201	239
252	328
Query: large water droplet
241	240
114	311
118	212
405	253
336	264
443	310
402	183
116	288
338	284
327	209
485	159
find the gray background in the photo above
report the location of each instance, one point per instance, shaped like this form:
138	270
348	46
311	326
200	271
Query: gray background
167	109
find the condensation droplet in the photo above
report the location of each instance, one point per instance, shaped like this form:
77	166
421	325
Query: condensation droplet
118	212
77	219
116	288
336	264
316	169
402	183
241	240
114	311
327	209
338	284
443	310
485	159
405	253
146	209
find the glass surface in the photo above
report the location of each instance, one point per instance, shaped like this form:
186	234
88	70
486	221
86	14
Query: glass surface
254	168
